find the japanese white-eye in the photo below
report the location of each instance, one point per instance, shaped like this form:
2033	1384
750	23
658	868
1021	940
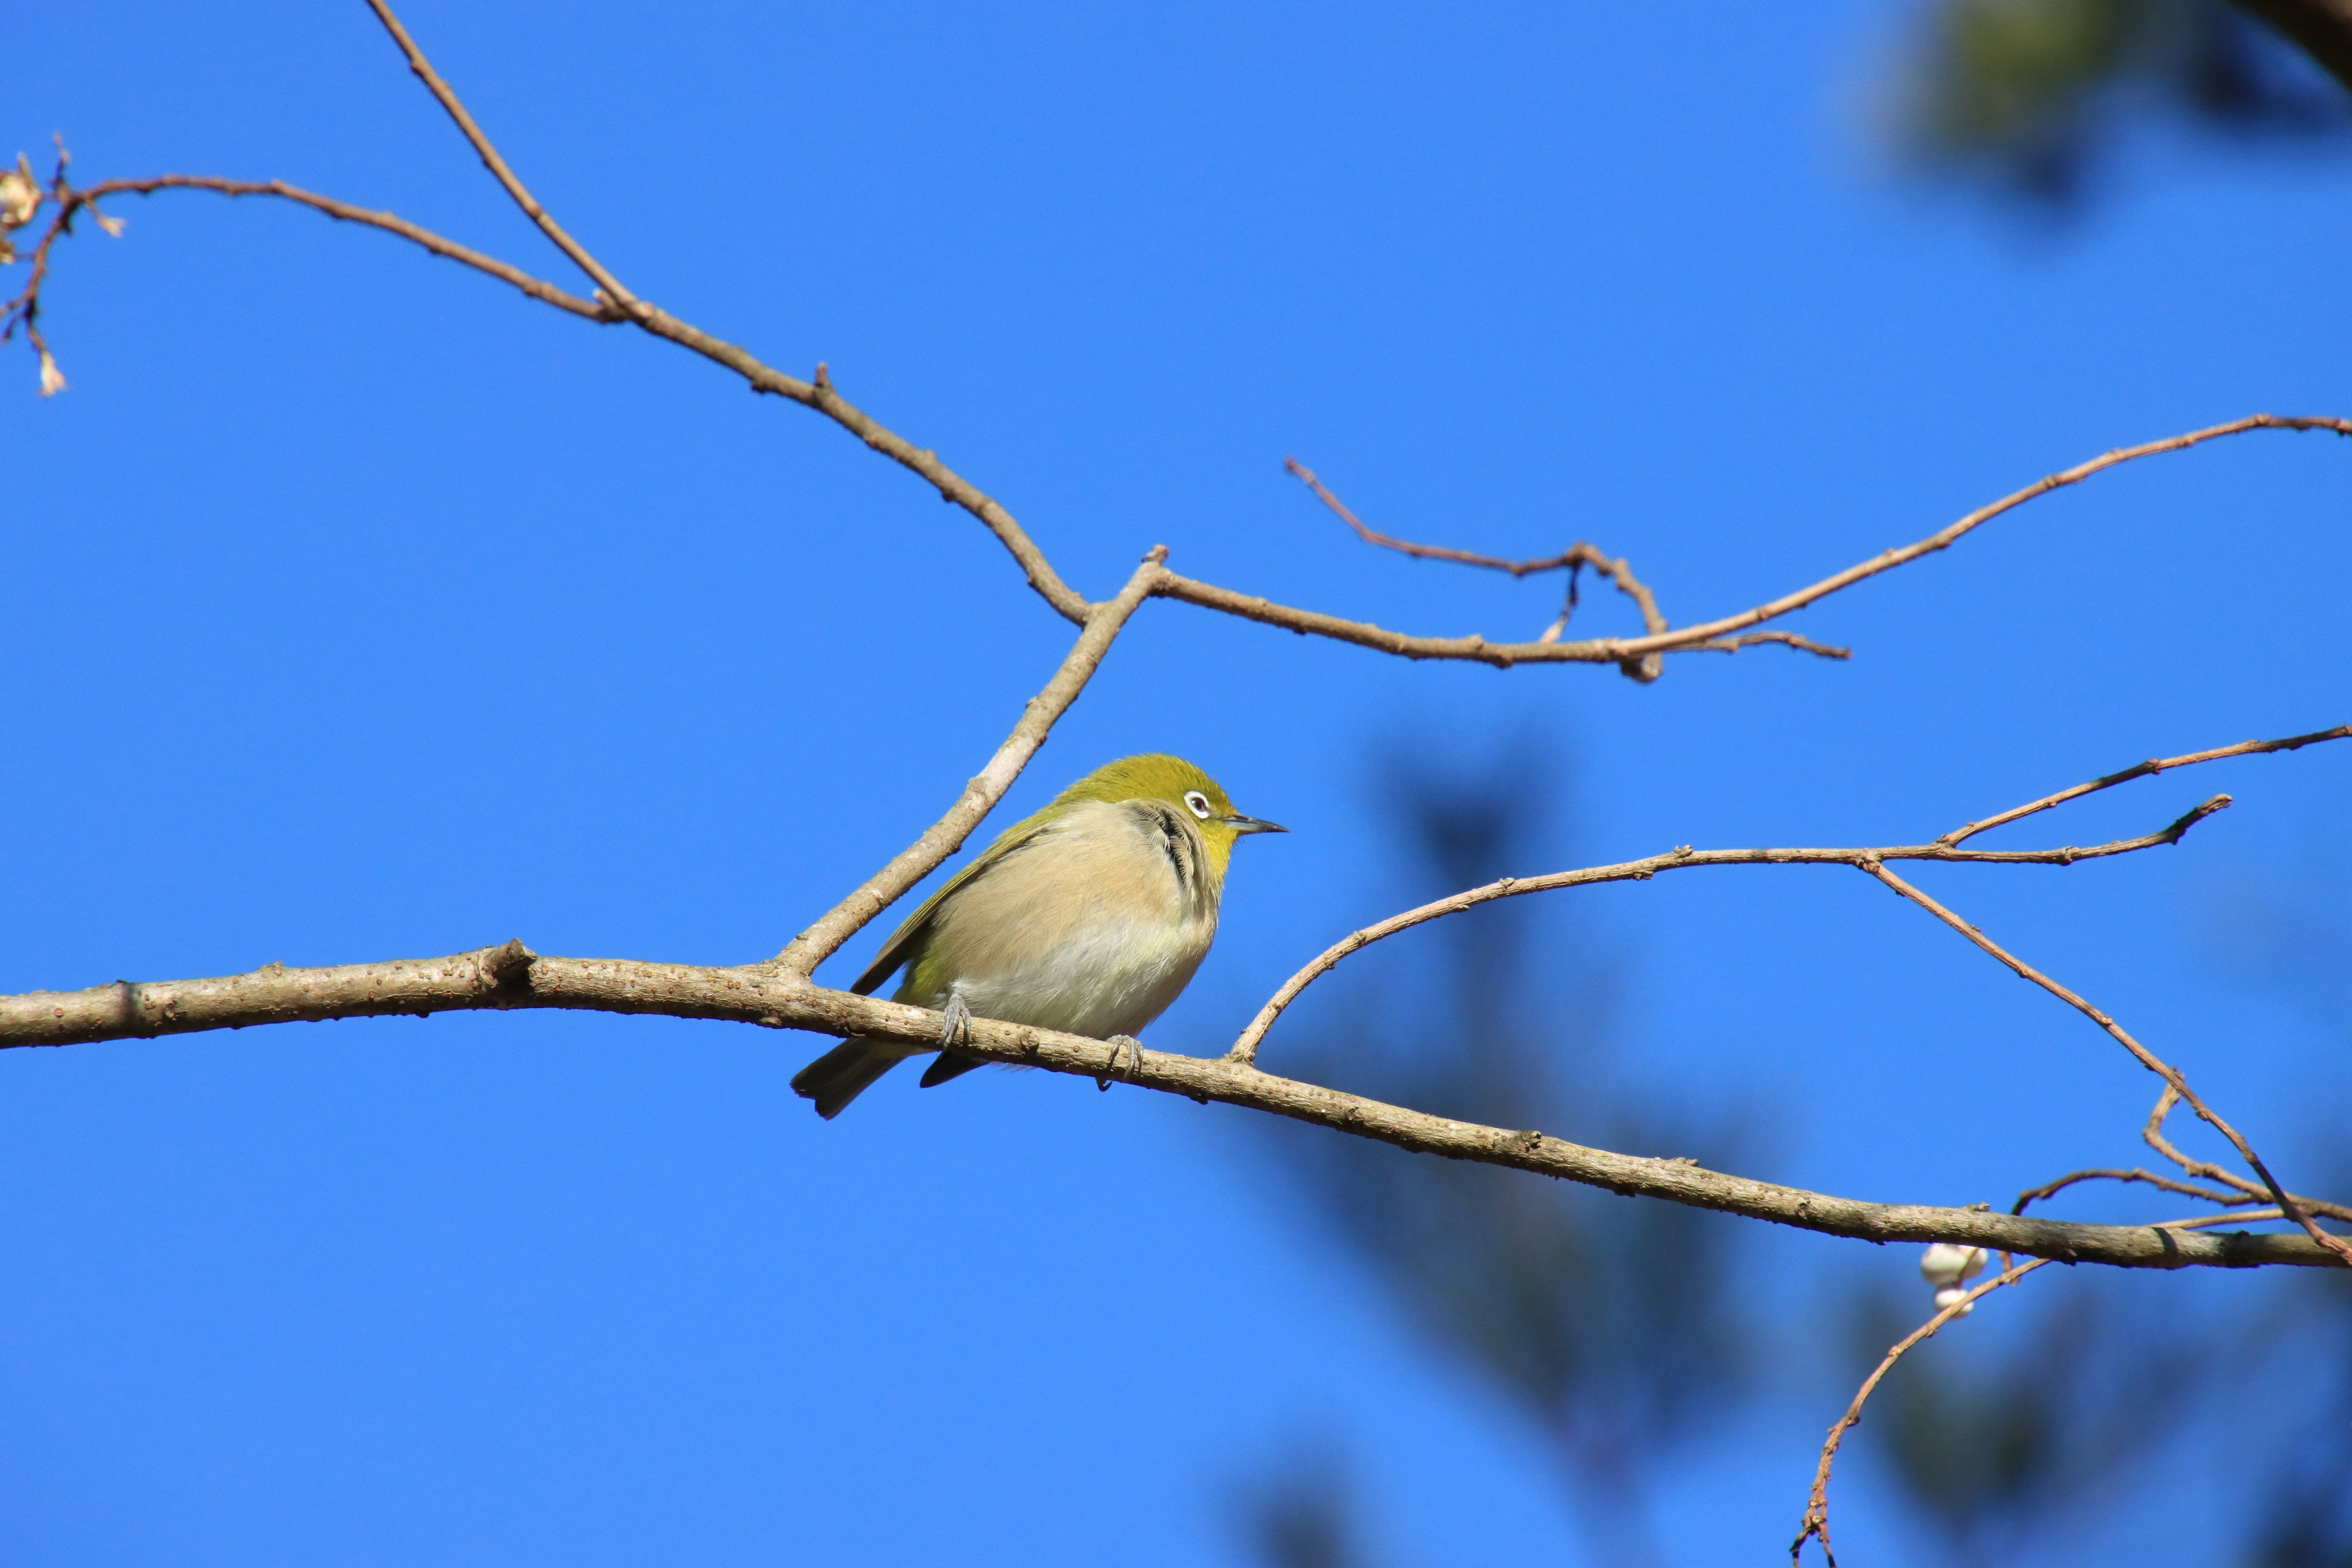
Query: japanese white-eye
1088	917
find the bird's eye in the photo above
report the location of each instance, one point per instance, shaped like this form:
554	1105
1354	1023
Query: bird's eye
1198	802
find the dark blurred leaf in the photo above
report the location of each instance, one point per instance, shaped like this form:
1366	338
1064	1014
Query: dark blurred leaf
2031	93
1303	1513
1608	1322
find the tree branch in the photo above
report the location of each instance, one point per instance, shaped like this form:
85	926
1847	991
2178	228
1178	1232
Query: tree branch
1816	1523
2227	1199
76	199
1245	1046
984	789
2145	1057
1573	560
448	97
1636	656
511	977
2148	769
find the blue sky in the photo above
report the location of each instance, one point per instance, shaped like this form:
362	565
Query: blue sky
358	608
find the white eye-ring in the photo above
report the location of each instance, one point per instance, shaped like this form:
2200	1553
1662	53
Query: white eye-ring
1198	802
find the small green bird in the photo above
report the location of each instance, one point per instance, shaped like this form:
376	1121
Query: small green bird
1088	917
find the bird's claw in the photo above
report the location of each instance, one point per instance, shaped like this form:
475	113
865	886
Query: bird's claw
1120	1046
959	1021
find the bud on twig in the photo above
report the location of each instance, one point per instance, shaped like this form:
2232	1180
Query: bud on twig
1949	1266
20	195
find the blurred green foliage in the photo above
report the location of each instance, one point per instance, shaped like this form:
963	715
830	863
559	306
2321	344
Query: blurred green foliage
2031	94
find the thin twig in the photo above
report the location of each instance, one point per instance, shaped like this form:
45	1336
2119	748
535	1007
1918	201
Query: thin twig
1682	638
1943	538
448	97
2139	771
2048	1190
2145	1057
74	201
981	793
1572	560
1245	1046
1816	1523
1633	655
2242	1192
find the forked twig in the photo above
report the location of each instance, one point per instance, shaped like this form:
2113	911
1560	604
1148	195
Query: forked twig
507	180
1815	1525
2148	769
2140	1053
1245	1046
1573	561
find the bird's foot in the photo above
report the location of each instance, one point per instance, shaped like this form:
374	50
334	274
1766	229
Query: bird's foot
1120	1046
959	1021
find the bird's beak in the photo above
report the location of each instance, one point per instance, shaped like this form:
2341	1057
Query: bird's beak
1252	825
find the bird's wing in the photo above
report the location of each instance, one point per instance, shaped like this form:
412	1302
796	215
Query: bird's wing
904	942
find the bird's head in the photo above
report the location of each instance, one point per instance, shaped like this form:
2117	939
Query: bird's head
1156	776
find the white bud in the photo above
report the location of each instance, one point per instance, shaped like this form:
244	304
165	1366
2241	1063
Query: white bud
19	194
1951	1293
1949	1263
53	380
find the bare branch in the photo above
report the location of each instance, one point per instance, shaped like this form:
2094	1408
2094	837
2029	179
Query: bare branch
511	977
2139	771
980	794
1816	1522
2243	1193
1573	560
1943	538
1633	654
2140	1053
1245	1046
74	201
1636	656
448	97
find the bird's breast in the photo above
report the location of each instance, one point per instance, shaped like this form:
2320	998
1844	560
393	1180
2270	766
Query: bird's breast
1093	927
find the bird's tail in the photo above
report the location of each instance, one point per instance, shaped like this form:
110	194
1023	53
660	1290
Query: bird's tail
844	1073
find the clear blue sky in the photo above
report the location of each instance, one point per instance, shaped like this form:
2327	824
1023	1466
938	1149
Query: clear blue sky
357	609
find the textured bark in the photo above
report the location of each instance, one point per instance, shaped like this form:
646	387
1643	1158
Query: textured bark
511	976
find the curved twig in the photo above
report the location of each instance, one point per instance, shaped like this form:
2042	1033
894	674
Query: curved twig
1635	656
2236	1199
1815	1525
1943	538
1244	1046
76	200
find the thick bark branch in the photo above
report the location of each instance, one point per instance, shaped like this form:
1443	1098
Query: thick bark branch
509	976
